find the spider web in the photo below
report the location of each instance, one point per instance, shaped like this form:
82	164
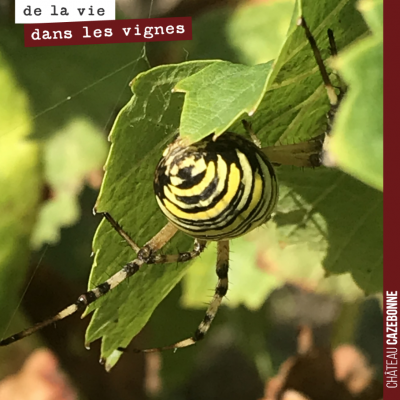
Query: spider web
128	185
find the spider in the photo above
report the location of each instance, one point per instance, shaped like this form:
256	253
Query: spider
213	190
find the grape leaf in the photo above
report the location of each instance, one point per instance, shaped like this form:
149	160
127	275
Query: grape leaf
356	145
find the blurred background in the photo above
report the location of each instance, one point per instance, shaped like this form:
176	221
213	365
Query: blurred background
57	106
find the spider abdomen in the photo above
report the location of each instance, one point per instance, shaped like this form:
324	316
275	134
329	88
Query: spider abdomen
216	190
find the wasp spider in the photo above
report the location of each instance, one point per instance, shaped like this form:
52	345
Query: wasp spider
213	190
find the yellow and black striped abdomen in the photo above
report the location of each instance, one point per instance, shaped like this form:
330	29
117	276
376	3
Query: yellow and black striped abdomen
216	190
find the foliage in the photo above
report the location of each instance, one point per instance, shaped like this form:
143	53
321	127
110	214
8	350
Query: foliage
324	218
327	231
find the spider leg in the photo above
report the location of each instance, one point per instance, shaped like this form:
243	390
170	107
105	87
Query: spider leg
310	153
332	44
121	231
325	156
198	248
333	98
220	292
144	256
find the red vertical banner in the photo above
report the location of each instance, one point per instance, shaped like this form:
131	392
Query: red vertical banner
391	292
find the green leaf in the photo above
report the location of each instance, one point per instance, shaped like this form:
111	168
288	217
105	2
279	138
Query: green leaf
345	218
294	101
242	88
295	105
20	183
356	145
141	132
293	109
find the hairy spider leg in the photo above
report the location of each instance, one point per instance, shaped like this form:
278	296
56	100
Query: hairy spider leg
198	247
220	291
333	98
145	255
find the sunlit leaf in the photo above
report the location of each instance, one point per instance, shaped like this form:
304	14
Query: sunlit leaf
357	138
